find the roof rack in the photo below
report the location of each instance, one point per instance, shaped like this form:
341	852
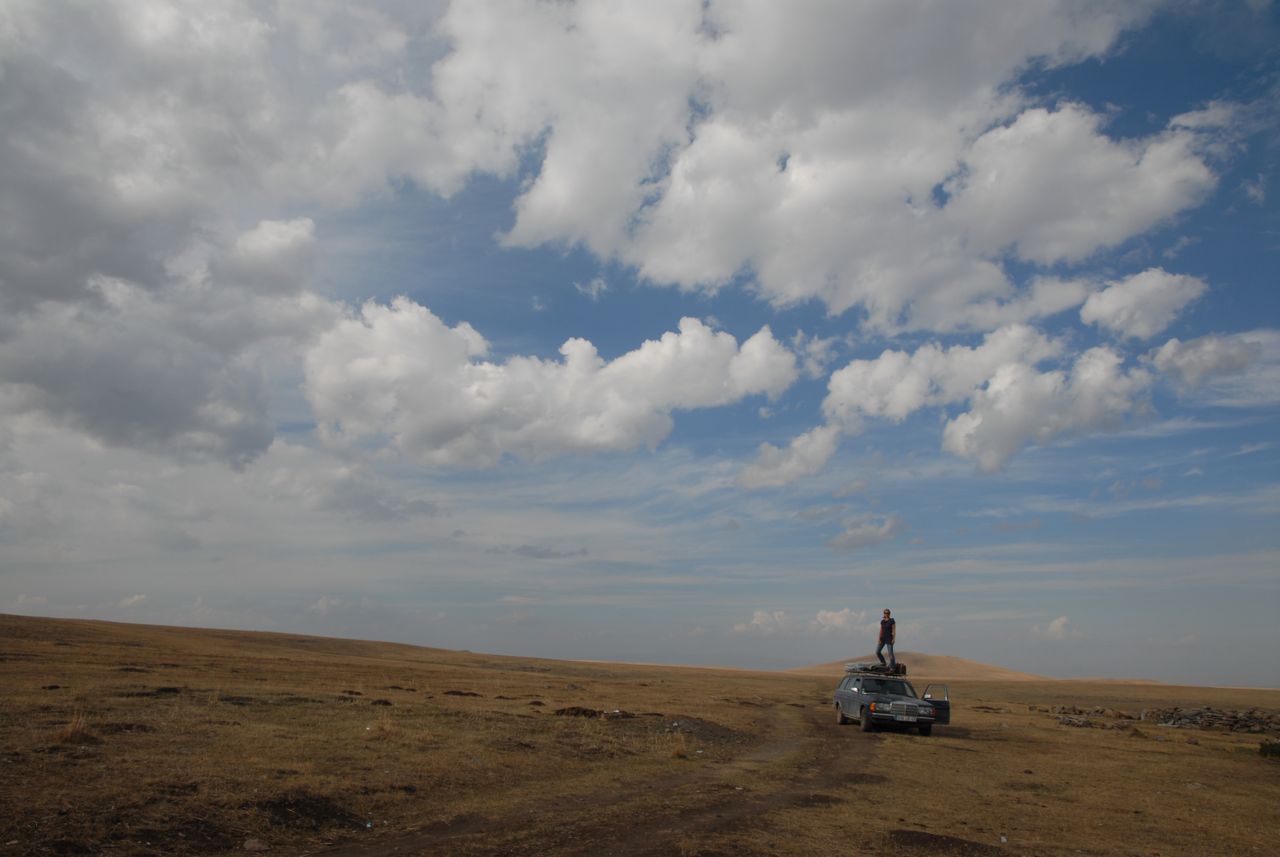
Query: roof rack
898	669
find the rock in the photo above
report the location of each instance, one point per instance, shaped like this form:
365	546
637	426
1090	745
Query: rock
255	845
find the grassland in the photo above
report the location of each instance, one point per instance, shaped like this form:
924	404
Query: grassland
126	739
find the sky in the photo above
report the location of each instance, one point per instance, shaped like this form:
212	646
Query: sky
681	332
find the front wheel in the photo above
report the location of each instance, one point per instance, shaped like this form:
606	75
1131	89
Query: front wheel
925	728
841	720
864	722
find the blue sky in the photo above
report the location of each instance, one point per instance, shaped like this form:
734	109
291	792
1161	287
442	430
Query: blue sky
680	332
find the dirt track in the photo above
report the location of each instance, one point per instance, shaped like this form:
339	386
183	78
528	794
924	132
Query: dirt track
803	756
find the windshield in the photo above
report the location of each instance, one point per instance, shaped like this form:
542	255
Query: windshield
880	685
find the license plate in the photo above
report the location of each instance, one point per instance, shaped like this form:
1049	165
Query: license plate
906	718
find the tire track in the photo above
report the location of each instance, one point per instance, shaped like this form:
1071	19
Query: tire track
803	755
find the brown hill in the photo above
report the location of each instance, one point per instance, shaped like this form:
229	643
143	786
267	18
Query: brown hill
920	665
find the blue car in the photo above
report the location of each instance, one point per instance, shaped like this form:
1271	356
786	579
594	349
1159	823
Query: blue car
875	697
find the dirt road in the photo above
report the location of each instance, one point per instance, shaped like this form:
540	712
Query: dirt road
803	756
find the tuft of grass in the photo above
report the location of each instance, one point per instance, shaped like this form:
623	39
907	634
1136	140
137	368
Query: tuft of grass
679	746
77	731
1269	749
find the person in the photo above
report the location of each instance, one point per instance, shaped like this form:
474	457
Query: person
888	633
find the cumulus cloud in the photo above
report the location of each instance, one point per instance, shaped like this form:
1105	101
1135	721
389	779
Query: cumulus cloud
1020	405
866	532
1238	370
398	371
1011	402
131	601
896	384
275	255
323	605
754	145
818	176
806	455
764	622
179	373
1142	305
1055	630
1198	360
846	621
1055	188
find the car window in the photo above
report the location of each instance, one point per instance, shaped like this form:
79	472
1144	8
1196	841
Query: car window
879	685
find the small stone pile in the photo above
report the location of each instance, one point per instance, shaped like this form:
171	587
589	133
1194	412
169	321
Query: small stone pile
1221	719
1089	718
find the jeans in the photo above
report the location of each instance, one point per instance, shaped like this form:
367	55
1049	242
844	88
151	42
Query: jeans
893	662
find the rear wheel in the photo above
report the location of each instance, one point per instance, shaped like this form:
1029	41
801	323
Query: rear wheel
865	721
840	718
925	728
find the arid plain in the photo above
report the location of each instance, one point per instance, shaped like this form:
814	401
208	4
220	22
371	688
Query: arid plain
130	739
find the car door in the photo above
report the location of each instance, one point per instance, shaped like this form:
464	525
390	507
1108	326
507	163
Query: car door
939	697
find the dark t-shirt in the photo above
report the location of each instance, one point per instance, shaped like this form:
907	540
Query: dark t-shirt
886	630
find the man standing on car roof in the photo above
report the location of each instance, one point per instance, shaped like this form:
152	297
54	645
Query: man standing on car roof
888	633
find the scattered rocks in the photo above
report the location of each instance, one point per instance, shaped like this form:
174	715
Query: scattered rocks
460	693
1269	749
380	702
1221	719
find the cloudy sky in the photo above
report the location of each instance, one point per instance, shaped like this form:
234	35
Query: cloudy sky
682	331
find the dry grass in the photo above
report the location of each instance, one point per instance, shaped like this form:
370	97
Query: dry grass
205	739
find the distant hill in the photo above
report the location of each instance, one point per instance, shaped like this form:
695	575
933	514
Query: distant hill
920	665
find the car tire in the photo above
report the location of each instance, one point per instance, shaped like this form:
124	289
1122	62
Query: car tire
864	721
841	720
925	728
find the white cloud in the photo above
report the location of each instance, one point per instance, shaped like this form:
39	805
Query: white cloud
760	142
323	605
592	289
276	255
1248	364
764	622
845	621
1256	189
131	601
398	371
866	532
180	372
815	351
806	455
1020	405
1055	630
1142	305
1054	187
897	384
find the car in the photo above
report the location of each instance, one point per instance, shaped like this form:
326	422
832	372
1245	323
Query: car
876	696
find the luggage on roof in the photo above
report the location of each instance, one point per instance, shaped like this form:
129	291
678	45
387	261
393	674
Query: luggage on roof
899	668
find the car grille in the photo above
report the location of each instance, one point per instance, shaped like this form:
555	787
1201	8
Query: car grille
907	708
